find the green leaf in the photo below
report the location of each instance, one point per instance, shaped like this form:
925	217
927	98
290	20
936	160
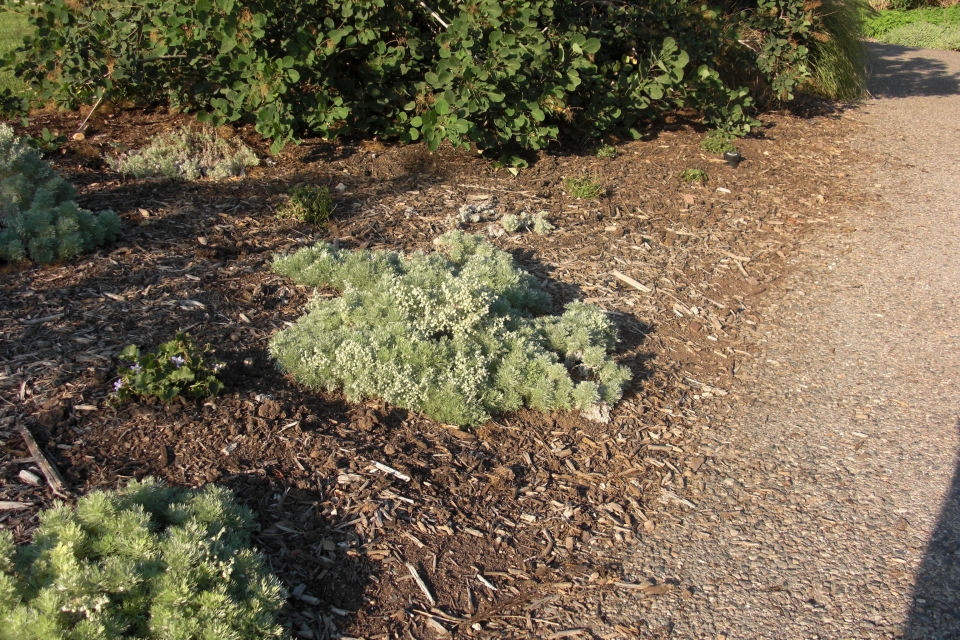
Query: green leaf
441	106
130	352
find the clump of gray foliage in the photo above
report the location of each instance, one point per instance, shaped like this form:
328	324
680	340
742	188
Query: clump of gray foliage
458	334
40	219
537	222
185	154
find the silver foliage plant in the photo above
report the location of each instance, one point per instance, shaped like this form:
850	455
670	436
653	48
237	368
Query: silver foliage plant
457	334
149	561
187	155
40	219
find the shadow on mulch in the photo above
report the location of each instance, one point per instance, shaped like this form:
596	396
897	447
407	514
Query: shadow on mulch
935	612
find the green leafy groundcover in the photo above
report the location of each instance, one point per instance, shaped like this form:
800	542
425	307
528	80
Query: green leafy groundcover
505	75
150	561
455	333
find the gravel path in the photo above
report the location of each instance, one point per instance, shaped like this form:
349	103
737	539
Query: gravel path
832	503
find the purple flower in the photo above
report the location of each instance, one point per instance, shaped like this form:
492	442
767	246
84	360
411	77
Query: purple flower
118	385
135	368
178	360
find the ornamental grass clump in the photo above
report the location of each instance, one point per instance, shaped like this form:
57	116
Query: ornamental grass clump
309	204
187	155
457	334
39	218
149	561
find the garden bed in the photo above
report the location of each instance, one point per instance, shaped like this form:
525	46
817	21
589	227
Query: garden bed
504	524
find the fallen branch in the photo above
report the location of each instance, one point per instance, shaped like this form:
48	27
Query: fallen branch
49	471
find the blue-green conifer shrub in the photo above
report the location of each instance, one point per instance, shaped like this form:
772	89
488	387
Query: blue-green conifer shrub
458	334
150	561
39	216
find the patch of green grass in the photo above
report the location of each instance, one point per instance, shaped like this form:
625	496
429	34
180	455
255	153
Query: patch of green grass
308	204
584	188
13	28
607	152
694	175
717	142
883	22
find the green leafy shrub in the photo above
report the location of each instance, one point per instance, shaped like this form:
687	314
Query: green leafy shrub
537	222
694	175
454	334
717	142
505	76
40	218
176	368
187	155
150	561
308	204
584	188
607	152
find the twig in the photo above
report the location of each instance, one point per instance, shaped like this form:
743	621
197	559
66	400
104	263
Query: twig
49	471
436	16
420	583
83	125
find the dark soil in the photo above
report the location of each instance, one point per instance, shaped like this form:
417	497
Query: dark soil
504	524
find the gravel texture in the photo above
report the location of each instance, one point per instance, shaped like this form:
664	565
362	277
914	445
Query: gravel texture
831	507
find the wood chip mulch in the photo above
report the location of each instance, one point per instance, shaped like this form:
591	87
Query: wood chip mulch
382	523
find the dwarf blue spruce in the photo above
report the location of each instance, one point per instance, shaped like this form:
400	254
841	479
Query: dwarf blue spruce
40	219
150	561
458	334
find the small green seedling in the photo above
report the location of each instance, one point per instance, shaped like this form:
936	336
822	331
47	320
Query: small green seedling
48	142
176	368
717	142
607	152
694	175
584	188
308	204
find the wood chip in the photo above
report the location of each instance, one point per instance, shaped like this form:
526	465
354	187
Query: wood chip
420	583
7	505
390	470
630	281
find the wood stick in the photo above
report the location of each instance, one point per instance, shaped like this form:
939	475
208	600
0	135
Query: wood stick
49	471
630	281
420	583
7	505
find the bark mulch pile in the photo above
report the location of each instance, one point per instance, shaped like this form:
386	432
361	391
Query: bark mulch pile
382	523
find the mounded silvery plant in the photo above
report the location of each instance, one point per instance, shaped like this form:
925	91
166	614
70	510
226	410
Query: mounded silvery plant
149	561
186	154
459	334
39	217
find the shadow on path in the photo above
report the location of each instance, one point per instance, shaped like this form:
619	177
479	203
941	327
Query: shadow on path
935	612
901	72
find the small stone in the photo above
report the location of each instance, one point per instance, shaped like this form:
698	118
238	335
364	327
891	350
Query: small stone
79	137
